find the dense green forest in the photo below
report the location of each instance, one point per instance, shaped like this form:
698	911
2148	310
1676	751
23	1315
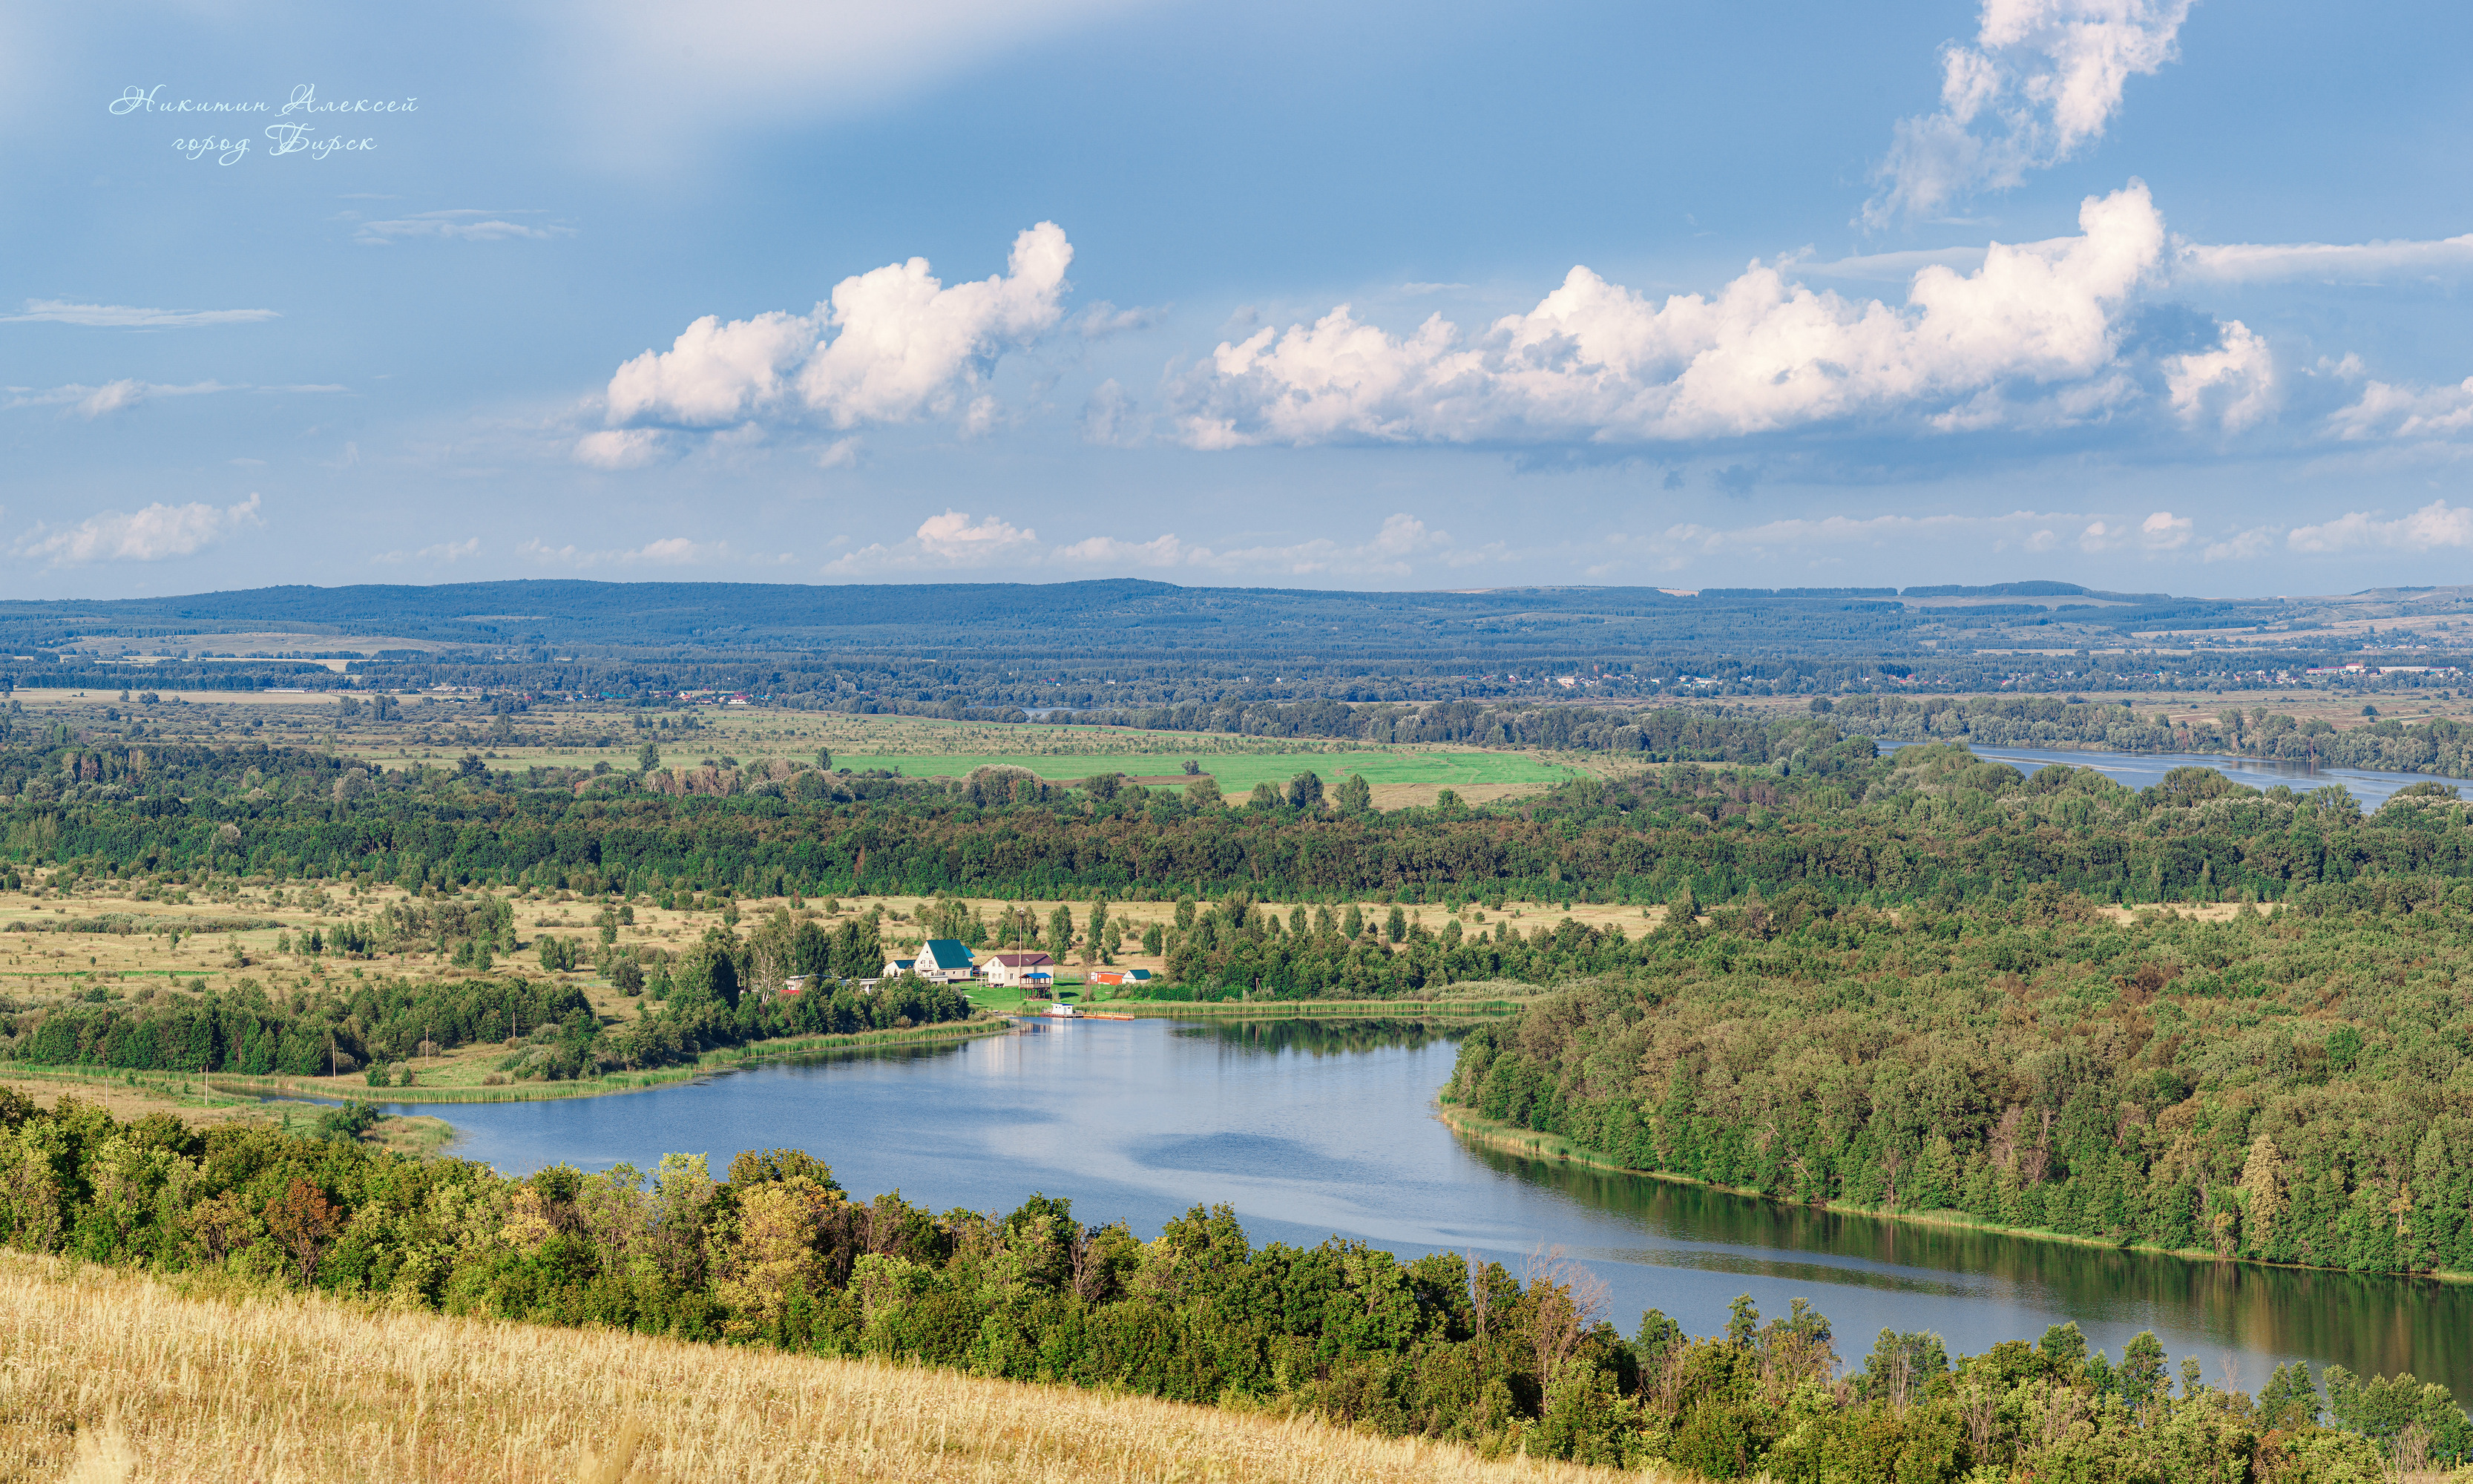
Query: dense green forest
1441	1347
1793	808
2294	1089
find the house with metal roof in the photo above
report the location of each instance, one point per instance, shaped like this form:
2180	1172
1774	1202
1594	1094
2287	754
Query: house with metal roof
941	960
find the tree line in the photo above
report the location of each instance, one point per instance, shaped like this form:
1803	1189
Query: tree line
1928	822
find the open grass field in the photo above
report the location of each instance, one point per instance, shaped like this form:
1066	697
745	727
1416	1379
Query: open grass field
116	1378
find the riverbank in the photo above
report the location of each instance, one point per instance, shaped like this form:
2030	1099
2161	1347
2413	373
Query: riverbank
128	1096
1530	1143
727	1059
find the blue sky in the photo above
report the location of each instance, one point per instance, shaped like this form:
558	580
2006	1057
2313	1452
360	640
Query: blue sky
2136	293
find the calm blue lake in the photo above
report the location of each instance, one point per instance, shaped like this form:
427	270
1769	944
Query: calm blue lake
1312	1129
2144	770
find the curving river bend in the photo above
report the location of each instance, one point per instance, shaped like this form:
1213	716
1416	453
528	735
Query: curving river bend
1311	1128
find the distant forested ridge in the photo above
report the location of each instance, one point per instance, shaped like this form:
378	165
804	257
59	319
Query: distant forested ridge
990	651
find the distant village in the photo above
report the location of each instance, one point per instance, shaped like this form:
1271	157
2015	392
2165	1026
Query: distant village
950	961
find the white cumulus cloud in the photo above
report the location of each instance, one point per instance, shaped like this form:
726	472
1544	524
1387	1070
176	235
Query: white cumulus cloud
2160	531
954	537
2435	525
1597	361
444	551
150	534
2040	81
959	539
2164	531
2232	386
893	345
2389	411
619	448
668	551
1120	555
2242	545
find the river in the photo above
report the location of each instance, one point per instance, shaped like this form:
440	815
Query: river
1312	1129
2142	770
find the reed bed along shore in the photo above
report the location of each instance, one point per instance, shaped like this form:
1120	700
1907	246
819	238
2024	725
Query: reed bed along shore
110	1377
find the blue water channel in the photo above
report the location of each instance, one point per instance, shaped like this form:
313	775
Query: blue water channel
1312	1129
2370	787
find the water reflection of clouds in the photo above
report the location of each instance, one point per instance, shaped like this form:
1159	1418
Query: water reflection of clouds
1842	1274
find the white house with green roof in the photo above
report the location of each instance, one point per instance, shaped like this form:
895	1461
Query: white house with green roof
942	960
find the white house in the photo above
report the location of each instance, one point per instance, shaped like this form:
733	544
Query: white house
1021	970
941	960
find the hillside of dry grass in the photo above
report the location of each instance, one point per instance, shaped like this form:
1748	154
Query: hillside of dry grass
110	1377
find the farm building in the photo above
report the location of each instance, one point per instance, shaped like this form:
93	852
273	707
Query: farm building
1021	970
1120	976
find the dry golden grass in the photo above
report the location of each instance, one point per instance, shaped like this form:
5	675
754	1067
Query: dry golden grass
110	1377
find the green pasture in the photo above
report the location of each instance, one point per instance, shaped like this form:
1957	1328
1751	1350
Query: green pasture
1238	772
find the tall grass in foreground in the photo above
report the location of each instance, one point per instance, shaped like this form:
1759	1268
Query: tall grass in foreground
121	1378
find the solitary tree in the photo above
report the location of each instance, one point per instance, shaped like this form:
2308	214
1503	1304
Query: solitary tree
303	1222
1355	796
647	757
1092	946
